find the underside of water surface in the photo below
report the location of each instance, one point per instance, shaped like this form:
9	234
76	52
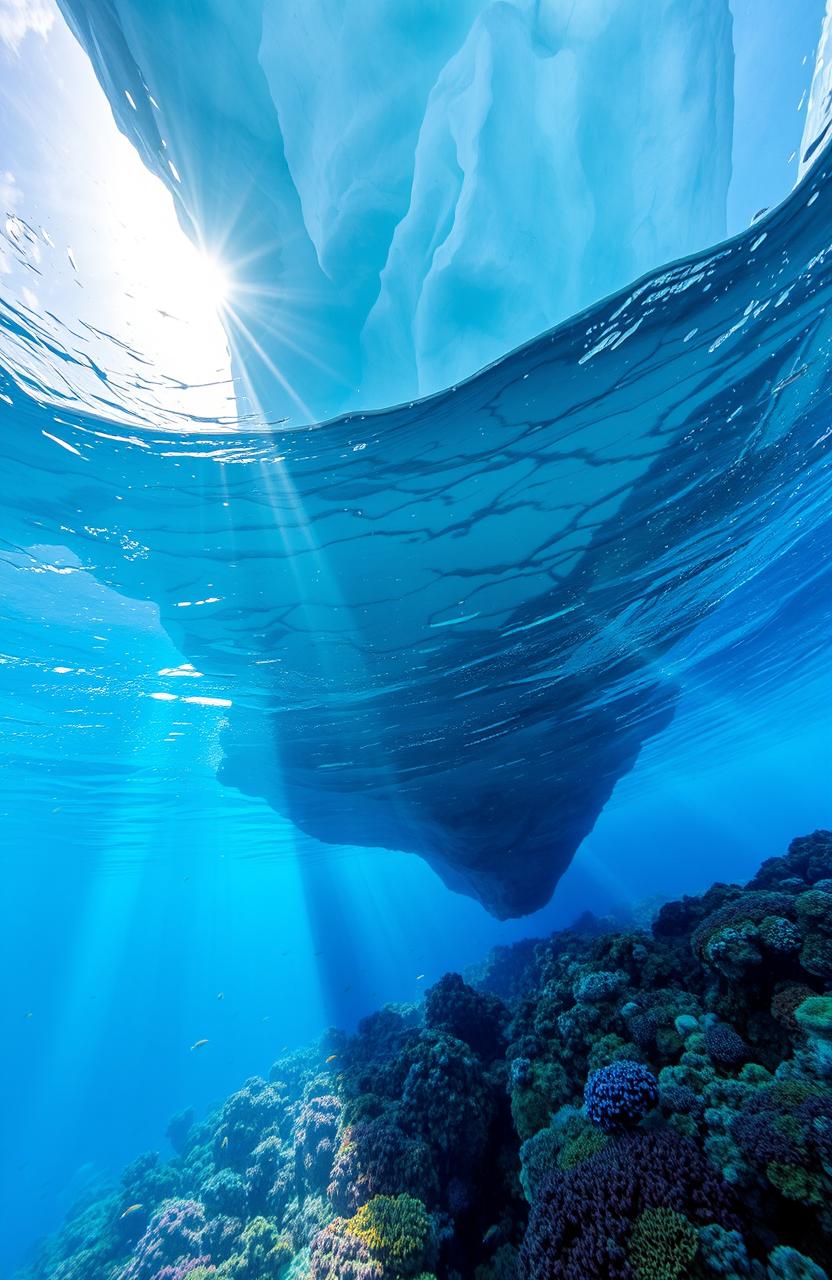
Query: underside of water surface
416	584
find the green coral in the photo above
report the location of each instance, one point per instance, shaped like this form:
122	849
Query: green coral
663	1244
816	956
564	1143
397	1231
538	1156
610	1048
814	1017
585	1144
532	1104
265	1253
795	1183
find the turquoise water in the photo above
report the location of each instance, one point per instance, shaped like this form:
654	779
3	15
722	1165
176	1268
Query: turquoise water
301	711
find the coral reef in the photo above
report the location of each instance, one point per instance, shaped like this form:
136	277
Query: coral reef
634	1104
389	1238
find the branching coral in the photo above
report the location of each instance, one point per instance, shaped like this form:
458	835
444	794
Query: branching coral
581	1221
785	1130
662	1245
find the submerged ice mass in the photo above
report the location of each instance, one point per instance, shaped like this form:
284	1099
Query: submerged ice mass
448	627
404	193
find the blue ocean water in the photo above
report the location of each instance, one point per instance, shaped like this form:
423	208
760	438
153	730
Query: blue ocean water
301	711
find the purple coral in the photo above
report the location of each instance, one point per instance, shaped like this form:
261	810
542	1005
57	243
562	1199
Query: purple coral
173	1239
336	1251
582	1219
181	1270
621	1094
785	1128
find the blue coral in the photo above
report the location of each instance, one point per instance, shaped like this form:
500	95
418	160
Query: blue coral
620	1095
724	1045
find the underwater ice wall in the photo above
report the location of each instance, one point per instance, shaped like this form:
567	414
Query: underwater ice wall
406	191
447	627
450	627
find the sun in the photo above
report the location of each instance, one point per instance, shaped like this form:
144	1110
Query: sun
212	282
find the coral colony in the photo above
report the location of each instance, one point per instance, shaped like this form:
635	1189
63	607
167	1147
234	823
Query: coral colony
610	1102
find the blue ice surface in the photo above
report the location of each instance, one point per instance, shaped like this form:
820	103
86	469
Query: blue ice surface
406	192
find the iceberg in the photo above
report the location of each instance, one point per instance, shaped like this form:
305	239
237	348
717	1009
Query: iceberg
405	192
819	109
449	627
446	627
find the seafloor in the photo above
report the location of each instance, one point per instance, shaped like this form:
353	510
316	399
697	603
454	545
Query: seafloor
642	1104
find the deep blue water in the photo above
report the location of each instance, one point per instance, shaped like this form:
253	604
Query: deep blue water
296	718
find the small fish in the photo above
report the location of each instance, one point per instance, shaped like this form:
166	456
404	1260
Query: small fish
29	1015
419	977
198	1044
332	1057
224	1143
220	995
133	1208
